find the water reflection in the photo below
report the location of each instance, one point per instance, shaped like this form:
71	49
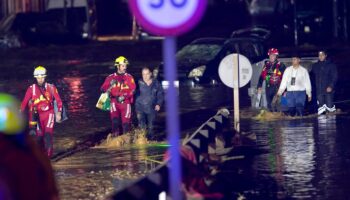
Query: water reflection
97	172
76	95
307	159
298	152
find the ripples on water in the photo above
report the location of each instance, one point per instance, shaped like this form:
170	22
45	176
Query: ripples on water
304	159
308	158
96	173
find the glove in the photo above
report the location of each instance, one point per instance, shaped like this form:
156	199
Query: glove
121	99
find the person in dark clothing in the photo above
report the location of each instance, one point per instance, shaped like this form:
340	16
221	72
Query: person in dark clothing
272	75
149	98
326	75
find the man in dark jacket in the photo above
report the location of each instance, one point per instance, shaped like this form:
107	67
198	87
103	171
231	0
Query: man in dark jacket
326	75
149	98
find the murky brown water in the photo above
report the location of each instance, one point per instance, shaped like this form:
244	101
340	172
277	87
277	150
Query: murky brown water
97	172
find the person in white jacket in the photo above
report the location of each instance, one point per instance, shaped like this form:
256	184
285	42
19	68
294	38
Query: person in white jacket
297	82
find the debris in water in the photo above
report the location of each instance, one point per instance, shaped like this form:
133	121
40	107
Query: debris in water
269	116
136	136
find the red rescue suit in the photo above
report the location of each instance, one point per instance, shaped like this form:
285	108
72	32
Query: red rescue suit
121	89
40	100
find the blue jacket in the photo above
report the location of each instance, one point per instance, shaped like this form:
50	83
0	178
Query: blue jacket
147	97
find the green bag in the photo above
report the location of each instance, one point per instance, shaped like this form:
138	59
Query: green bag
104	102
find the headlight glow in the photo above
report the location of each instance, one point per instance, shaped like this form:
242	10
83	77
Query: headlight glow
197	72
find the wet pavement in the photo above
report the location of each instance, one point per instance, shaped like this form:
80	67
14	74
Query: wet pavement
301	158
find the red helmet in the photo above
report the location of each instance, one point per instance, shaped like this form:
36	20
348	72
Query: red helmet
272	51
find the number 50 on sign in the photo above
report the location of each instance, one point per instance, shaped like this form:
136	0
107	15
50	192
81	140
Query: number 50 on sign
167	17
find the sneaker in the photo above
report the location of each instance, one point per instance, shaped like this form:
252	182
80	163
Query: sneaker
333	109
321	110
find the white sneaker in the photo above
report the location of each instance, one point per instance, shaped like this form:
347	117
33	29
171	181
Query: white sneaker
333	109
321	110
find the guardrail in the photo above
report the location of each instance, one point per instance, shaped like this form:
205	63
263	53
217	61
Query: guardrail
196	149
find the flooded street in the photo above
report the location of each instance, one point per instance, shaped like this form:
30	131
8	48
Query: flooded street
304	158
307	159
95	173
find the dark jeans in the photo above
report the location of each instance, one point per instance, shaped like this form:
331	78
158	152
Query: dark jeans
296	102
146	121
326	98
271	91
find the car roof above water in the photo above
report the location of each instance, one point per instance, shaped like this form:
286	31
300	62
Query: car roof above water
209	40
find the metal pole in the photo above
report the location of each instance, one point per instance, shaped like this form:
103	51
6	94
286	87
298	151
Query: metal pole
65	13
88	18
345	21
134	31
295	23
335	19
236	92
172	117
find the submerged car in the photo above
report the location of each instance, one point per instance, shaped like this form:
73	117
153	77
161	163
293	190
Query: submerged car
198	62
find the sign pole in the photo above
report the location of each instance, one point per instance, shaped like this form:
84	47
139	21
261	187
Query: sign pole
236	92
170	18
172	116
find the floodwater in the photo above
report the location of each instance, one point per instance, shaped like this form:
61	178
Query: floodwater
307	158
299	159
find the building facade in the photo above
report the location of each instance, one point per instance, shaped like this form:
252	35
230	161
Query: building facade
8	7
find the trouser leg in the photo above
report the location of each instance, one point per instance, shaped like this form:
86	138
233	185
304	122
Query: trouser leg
321	98
125	112
115	126
115	119
300	102
39	139
47	122
269	97
150	122
48	137
291	103
141	120
329	102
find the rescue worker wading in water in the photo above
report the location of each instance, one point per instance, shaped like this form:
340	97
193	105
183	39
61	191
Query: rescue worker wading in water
121	87
272	74
40	99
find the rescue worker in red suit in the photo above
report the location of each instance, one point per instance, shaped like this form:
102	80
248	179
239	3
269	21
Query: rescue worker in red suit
272	74
39	99
25	171
121	87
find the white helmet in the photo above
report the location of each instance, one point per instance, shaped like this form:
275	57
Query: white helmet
39	71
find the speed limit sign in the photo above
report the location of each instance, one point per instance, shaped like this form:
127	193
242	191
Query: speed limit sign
167	17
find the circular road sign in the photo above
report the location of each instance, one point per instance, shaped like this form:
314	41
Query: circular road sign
167	17
226	71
